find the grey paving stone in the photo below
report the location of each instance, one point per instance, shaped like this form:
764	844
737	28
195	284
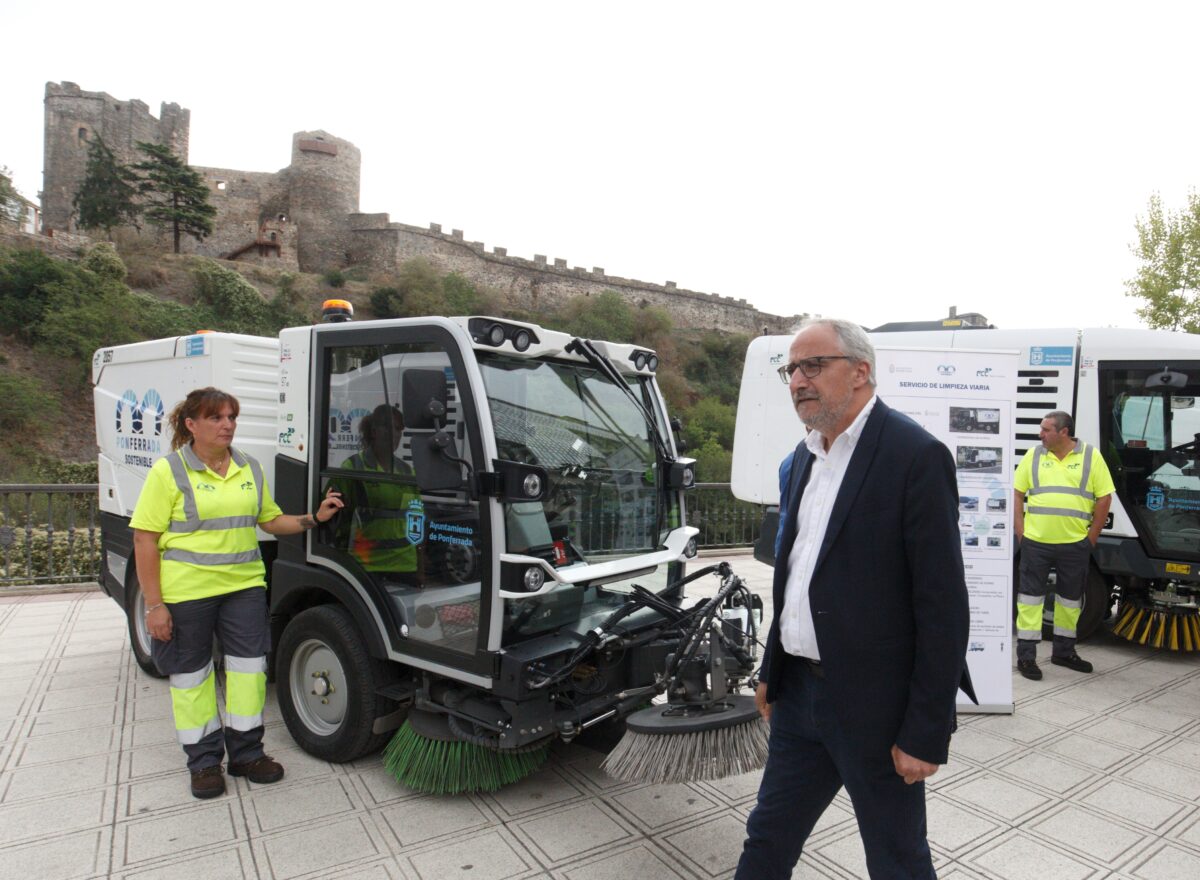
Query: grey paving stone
226	863
735	789
954	828
1046	772
83	678
73	855
1165	776
846	852
378	786
534	793
1087	833
711	848
48	723
18	674
281	805
296	853
65	746
1018	727
1177	703
28	820
996	797
1123	733
979	746
1054	711
156	795
1089	751
195	830
639	861
570	832
1168	863
1131	804
657	806
486	856
110	659
1021	857
46	780
419	820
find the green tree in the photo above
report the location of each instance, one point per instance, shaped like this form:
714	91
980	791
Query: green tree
604	316
10	199
418	290
1168	280
107	198
176	196
709	419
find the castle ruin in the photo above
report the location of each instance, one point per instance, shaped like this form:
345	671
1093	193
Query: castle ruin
306	217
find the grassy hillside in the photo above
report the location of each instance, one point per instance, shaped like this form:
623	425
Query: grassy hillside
54	313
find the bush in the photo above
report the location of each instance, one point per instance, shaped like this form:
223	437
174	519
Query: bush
22	401
234	304
335	278
104	261
68	556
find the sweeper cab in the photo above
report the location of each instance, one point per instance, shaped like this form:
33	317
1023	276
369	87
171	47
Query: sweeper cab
509	566
1134	396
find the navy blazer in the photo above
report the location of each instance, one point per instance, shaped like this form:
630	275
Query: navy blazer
888	596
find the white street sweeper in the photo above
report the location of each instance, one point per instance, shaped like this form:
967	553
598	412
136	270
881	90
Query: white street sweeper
516	578
1133	394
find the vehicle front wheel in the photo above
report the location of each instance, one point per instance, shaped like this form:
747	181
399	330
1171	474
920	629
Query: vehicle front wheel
326	683
139	636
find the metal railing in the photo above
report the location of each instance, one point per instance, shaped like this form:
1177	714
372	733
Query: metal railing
49	534
723	521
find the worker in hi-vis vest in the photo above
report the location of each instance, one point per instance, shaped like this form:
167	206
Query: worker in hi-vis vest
201	572
1061	495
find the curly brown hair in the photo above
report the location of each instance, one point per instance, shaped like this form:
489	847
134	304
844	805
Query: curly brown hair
198	404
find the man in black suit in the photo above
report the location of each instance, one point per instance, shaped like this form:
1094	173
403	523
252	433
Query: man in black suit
867	649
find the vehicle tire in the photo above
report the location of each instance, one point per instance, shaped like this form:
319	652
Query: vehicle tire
326	685
1097	601
139	636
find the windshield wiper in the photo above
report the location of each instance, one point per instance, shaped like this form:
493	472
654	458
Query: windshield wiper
585	348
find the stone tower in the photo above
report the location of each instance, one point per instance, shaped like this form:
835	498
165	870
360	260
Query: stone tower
322	193
74	117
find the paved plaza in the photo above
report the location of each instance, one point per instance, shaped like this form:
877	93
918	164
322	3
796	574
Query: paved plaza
1093	777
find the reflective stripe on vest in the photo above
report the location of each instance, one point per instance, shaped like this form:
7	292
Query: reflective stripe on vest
1081	490
194	523
1038	488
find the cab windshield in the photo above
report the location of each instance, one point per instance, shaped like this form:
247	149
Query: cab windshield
603	500
1153	433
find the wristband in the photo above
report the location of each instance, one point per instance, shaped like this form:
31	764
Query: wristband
154	607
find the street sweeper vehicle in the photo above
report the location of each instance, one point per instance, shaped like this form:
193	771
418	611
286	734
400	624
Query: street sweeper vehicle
1133	394
508	568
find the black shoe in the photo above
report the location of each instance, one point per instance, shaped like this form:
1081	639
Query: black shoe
1074	661
261	770
208	783
1029	669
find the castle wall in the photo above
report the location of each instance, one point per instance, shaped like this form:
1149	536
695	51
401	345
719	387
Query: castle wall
323	182
75	117
310	209
246	202
539	283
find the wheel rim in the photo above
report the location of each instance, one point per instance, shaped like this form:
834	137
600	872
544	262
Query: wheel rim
317	683
139	624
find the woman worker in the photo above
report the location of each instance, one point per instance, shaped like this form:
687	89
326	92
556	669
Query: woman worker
201	572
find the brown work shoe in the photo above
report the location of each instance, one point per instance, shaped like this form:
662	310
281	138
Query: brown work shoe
262	770
208	783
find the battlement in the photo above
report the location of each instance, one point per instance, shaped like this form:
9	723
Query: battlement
306	215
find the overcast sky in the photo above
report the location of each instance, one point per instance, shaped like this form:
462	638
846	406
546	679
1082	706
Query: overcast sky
877	161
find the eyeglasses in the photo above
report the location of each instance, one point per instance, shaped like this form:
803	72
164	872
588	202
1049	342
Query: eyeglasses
810	367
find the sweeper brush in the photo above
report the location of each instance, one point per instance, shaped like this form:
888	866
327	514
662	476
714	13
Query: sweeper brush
670	744
1175	627
427	755
703	731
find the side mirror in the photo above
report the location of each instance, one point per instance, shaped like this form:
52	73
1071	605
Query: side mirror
423	394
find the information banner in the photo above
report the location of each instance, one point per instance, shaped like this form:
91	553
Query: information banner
967	400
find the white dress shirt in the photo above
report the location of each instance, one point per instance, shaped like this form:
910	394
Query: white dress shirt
796	631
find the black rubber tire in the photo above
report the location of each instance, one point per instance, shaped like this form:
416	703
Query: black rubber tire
1097	601
326	639
139	636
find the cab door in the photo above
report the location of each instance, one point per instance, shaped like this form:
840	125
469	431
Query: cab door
399	438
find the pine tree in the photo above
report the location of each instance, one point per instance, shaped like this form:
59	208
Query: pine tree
107	198
175	195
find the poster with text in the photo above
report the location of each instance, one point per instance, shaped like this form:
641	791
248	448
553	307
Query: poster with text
966	399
